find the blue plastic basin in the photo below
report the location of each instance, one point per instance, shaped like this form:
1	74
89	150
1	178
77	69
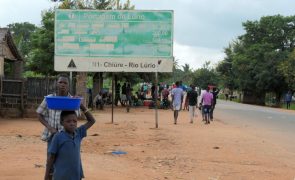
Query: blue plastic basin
63	102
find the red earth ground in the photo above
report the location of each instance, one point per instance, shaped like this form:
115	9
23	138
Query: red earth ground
218	151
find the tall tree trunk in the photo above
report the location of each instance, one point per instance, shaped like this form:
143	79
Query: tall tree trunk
97	83
116	79
278	99
100	81
81	89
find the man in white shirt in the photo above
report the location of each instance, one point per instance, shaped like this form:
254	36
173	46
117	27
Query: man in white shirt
177	96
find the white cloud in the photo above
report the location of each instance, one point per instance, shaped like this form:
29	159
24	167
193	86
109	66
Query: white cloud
13	11
202	28
196	56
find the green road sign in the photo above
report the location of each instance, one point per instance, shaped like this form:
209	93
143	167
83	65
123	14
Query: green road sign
130	41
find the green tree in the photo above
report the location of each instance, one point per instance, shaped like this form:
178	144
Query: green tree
187	75
40	58
253	59
87	4
205	76
287	67
95	4
225	69
176	71
21	33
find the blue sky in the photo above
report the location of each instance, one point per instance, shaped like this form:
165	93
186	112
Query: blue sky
202	28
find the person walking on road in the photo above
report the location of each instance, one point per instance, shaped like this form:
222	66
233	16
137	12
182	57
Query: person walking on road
123	95
192	98
128	96
207	101
165	94
117	93
177	96
288	99
215	92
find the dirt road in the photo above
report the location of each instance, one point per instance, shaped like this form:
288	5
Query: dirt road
184	151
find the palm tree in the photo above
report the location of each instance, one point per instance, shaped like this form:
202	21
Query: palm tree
187	73
186	68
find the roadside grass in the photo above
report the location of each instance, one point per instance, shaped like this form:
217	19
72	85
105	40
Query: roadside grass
292	106
282	106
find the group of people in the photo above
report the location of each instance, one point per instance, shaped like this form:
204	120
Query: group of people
125	96
101	99
209	98
64	138
183	98
206	105
122	94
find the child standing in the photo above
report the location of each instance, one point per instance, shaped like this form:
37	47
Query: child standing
64	150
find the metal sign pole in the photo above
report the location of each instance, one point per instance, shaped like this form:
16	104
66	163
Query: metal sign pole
71	83
113	97
156	100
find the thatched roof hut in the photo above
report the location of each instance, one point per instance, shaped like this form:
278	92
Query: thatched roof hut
9	55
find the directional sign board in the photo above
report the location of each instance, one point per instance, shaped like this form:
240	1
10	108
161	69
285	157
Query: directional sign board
113	41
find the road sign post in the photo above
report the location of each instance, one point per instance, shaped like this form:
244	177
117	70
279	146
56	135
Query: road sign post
113	41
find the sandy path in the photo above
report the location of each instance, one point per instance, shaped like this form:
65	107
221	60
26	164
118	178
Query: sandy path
184	151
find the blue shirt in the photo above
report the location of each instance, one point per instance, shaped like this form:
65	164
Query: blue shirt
177	95
67	165
288	97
